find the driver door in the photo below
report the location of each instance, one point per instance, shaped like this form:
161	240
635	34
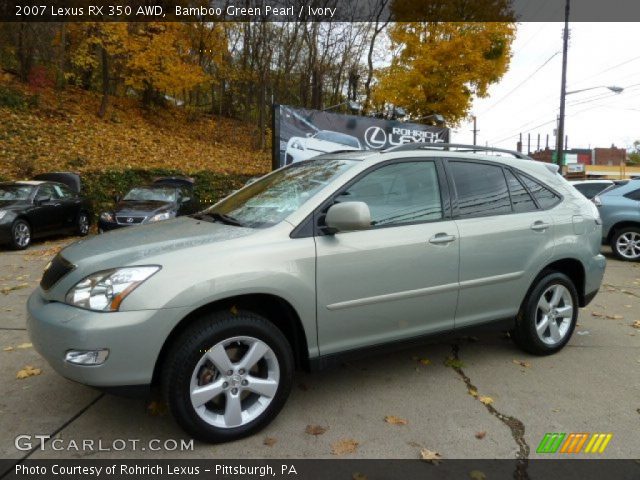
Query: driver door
398	279
46	217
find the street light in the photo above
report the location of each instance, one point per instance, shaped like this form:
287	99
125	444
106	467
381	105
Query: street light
613	88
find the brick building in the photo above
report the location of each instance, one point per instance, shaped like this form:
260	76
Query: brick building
612	156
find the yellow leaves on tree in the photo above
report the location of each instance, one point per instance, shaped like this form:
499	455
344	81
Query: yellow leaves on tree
438	67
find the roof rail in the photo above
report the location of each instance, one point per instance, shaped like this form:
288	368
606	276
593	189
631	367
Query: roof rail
457	146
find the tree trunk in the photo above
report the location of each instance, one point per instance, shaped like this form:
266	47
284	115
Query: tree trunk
105	82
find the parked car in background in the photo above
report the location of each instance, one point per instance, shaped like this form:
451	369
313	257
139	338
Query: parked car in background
591	188
166	198
40	208
314	263
619	207
323	141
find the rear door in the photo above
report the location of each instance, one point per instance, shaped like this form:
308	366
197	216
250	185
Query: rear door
505	238
70	204
398	279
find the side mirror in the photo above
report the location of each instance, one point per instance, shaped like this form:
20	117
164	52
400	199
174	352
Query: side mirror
348	216
117	198
40	199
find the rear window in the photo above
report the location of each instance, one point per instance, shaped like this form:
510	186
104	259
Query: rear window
482	189
520	198
545	197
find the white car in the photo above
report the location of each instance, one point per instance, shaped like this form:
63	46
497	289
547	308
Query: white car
323	141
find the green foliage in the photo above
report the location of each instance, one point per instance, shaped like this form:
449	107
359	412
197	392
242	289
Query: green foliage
634	154
101	187
14	99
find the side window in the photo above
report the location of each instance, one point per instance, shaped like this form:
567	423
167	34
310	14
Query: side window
482	189
635	195
545	197
63	192
47	190
400	193
520	198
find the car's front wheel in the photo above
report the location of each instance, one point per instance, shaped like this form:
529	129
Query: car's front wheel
625	244
227	376
20	234
82	226
548	315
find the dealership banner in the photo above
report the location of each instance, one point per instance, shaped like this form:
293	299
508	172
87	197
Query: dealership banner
299	133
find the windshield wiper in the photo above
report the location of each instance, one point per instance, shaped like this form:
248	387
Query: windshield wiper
220	217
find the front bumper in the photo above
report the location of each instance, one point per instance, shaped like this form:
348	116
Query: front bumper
107	226
134	340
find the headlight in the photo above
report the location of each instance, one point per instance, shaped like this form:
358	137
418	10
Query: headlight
161	216
106	216
105	290
297	145
2	214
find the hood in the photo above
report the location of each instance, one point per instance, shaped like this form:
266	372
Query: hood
130	246
141	207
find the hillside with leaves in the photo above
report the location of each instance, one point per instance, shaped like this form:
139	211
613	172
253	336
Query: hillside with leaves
59	130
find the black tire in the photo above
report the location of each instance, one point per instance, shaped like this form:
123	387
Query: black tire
82	224
186	353
525	333
618	251
18	240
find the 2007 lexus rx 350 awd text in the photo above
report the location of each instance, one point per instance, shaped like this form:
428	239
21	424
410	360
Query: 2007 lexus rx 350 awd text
322	259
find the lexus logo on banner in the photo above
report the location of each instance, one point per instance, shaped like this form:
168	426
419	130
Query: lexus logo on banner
300	134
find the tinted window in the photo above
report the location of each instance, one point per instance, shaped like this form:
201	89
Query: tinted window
545	197
15	192
482	189
635	195
47	190
63	192
590	190
520	198
400	193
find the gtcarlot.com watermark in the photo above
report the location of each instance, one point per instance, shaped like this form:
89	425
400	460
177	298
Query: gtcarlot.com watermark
27	443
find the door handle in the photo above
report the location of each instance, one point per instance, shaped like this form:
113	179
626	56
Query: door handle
539	226
441	238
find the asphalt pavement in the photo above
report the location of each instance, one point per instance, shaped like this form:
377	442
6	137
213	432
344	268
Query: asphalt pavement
475	397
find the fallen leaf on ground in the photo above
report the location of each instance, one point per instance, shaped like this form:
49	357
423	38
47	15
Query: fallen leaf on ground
522	363
486	400
269	441
157	409
453	362
615	317
358	476
315	429
636	324
7	349
429	456
472	392
477	475
481	435
342	447
393	420
597	314
24	345
28	371
6	290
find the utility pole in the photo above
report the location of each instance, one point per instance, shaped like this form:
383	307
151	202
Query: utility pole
563	87
475	130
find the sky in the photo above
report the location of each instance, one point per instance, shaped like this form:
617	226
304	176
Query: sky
527	99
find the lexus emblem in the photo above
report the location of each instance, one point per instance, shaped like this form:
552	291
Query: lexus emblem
375	137
129	220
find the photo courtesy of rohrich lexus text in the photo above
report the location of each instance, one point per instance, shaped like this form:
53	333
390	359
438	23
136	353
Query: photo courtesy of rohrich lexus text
375	239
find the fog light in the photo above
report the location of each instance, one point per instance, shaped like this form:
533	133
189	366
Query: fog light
86	357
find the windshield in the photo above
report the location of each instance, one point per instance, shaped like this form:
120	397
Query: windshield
15	192
163	194
337	137
271	199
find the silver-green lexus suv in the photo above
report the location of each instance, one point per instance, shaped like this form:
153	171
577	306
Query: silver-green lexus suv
325	258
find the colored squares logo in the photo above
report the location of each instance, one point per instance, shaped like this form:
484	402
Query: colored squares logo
574	443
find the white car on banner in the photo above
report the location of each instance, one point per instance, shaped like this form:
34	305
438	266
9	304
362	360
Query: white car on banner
323	141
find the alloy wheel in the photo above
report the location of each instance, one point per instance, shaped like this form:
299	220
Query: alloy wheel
22	234
554	314
83	224
628	245
234	382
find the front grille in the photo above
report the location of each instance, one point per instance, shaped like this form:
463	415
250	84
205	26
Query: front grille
57	269
129	220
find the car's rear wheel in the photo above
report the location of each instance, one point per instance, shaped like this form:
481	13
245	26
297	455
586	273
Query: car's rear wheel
625	244
548	315
20	234
82	226
228	376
